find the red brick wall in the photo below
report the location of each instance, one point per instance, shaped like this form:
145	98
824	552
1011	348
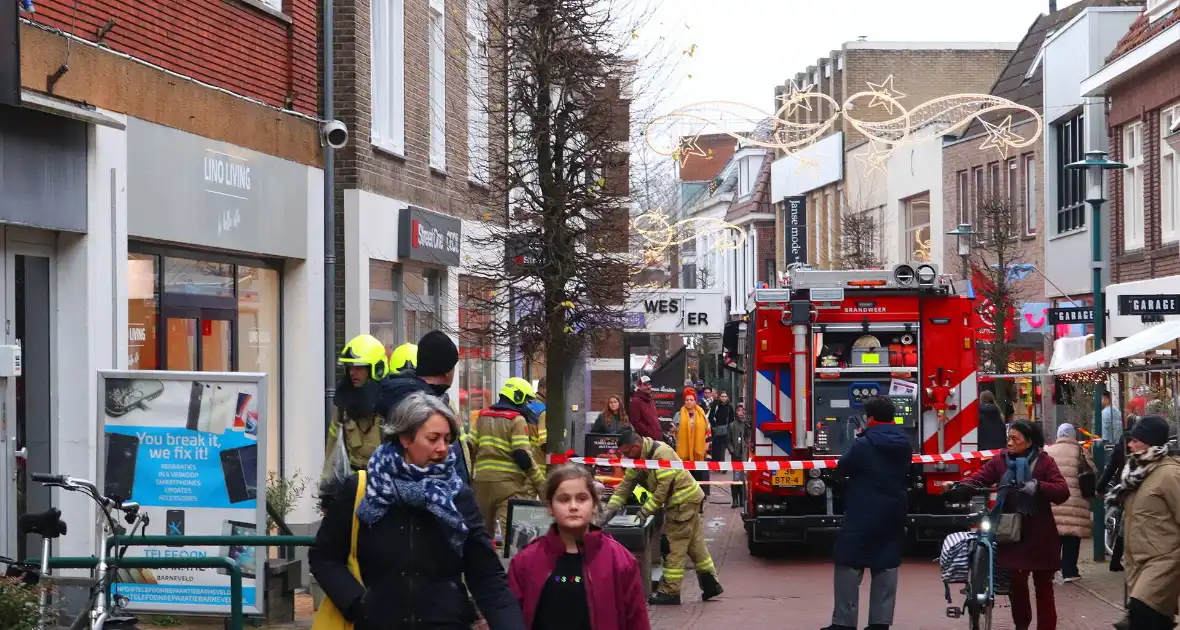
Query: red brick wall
1155	259
720	148
1157	87
765	249
226	43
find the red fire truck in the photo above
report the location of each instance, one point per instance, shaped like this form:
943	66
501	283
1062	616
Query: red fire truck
815	350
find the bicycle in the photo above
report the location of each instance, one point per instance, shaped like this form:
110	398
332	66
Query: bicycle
49	525
978	572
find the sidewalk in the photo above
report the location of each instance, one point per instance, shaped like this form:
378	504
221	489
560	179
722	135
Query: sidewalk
1099	580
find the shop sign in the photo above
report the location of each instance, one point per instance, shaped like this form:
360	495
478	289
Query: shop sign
190	448
796	208
429	237
683	311
184	188
1071	315
1162	304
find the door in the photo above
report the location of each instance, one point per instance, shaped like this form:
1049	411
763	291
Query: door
27	278
199	339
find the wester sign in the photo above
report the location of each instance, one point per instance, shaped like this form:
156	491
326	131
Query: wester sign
685	311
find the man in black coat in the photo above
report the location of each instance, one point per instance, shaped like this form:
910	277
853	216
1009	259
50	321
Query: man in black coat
872	535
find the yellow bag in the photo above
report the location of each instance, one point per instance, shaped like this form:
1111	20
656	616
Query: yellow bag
329	617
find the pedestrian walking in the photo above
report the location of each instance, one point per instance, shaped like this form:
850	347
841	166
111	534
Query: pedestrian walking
1030	483
738	443
613	419
576	577
505	462
402	539
693	435
721	415
1149	494
1112	420
679	495
1073	517
644	418
993	433
872	534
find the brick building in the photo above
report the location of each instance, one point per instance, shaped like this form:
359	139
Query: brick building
913	72
1141	84
163	209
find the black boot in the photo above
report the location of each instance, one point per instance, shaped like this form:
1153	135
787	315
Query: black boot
710	587
664	599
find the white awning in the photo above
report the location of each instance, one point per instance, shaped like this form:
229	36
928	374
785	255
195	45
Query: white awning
1148	339
1069	349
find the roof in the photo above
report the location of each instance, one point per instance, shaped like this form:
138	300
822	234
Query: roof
759	199
1142	30
1012	83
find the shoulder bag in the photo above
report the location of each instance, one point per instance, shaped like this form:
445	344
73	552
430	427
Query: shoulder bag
1010	526
329	617
1087	477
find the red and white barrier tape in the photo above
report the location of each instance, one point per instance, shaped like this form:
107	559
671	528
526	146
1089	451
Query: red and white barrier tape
758	465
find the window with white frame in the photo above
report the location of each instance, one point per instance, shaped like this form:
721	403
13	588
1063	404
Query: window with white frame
916	246
964	198
478	90
1013	186
827	71
387	76
1133	218
277	5
1031	216
840	62
746	175
438	85
1169	178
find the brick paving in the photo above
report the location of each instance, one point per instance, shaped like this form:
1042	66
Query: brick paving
794	591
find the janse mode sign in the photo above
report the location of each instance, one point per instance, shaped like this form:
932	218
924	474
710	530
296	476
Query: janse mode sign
687	311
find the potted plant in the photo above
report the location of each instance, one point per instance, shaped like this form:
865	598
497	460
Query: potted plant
284	575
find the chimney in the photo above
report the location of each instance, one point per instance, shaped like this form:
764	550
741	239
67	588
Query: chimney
1052	6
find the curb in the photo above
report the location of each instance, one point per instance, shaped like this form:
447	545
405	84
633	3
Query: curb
1100	598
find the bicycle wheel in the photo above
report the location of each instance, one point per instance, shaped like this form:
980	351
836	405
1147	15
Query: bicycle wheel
1111	524
979	612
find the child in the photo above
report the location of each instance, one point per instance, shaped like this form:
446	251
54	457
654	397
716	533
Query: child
576	577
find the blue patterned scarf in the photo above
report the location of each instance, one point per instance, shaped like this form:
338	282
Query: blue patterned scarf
394	481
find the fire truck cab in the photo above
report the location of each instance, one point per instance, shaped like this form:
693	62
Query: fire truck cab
815	351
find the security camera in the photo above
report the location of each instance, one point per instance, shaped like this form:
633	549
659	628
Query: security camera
334	134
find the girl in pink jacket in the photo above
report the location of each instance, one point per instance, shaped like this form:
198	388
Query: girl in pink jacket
576	577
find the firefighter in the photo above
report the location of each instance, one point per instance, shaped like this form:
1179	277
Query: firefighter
403	357
357	396
505	465
681	497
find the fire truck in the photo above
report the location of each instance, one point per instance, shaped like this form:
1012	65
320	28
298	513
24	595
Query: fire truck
815	350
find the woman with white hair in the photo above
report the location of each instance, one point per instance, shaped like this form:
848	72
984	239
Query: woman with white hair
1073	516
402	541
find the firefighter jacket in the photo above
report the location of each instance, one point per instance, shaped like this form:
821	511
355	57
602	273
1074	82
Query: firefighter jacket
503	449
670	487
362	436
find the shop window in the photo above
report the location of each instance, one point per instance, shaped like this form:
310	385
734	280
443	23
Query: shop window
404	302
143	312
476	364
192	314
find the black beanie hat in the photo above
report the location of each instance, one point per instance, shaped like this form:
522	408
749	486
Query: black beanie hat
437	354
1151	430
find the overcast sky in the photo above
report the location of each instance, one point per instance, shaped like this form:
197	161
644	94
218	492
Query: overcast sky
746	47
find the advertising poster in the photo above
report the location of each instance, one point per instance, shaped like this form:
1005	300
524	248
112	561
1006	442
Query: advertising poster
190	448
527	520
667	384
603	445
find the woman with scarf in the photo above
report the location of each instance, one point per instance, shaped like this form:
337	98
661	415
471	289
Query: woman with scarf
1030	484
420	540
694	437
1149	495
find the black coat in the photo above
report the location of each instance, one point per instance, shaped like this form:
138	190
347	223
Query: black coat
412	577
404	383
993	434
876	468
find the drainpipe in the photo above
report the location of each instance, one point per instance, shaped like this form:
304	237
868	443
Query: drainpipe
329	220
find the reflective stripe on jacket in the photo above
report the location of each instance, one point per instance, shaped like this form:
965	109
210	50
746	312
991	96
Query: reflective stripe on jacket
497	433
669	486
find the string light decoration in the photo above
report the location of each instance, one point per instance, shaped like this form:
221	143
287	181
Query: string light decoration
906	127
659	233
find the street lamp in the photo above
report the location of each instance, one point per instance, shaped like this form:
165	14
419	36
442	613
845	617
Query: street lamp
963	235
1095	163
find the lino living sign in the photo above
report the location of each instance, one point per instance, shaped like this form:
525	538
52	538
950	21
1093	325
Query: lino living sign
683	311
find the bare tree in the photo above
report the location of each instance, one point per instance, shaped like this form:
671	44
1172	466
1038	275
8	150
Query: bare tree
563	179
994	261
859	235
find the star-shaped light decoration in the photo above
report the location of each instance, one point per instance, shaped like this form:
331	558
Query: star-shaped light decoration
1000	137
874	159
689	148
882	93
795	99
806	164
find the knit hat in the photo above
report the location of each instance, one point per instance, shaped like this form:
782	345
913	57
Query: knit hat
437	354
688	391
1151	430
1066	431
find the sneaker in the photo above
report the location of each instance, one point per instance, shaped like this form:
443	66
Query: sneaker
1072	578
664	599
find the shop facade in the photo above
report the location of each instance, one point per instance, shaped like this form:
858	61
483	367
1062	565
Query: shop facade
410	270
224	273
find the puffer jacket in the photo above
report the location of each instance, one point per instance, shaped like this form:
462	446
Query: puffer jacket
1073	517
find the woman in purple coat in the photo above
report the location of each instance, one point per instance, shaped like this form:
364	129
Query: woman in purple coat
1036	484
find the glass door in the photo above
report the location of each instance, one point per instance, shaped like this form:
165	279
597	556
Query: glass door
199	339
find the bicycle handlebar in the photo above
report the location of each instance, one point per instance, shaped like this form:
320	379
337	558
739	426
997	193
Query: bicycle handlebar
75	484
48	478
